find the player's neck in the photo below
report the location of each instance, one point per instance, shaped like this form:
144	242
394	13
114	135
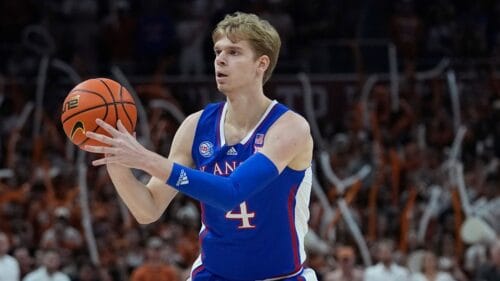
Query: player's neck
244	111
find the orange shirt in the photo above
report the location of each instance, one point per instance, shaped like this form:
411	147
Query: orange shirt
149	272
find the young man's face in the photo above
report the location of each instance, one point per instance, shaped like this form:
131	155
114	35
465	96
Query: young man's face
236	66
4	244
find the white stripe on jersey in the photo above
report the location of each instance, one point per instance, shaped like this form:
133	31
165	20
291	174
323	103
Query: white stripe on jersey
309	274
197	263
302	211
202	228
285	276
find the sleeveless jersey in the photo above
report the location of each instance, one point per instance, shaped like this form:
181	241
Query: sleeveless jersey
262	238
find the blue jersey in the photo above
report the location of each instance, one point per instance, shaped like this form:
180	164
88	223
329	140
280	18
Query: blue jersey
263	237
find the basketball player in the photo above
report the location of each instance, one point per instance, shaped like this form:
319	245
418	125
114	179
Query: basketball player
247	161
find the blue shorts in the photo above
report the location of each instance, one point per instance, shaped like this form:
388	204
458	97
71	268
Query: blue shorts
202	274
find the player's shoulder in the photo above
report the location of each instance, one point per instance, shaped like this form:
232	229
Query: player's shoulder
192	119
295	128
186	130
293	122
194	116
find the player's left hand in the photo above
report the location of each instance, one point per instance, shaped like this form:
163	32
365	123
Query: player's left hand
123	149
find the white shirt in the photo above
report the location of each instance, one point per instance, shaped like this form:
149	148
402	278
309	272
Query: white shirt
379	272
70	235
41	275
9	269
441	276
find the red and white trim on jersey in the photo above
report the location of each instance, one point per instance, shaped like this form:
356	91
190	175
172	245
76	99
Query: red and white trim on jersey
306	274
293	229
299	216
301	269
302	211
196	268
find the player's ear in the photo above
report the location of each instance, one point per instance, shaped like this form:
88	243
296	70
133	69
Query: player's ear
263	63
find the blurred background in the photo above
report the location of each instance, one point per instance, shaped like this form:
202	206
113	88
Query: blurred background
403	98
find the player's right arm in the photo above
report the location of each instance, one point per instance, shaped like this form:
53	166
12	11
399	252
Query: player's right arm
148	202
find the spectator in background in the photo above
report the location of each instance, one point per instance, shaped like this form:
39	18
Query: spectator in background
133	254
430	271
86	272
385	269
49	269
475	256
442	29
490	271
154	269
346	270
9	267
25	260
317	260
406	30
62	234
452	267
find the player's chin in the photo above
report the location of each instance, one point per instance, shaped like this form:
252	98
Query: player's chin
221	87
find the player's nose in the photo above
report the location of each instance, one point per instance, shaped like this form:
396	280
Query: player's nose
220	60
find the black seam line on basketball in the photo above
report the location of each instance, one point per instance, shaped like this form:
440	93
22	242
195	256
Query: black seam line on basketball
84	141
90	92
113	97
94	107
124	109
96	127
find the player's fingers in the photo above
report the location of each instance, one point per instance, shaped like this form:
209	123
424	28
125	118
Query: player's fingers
107	160
108	128
101	149
100	137
121	127
99	162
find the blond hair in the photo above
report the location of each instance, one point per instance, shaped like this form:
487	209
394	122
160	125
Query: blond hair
261	35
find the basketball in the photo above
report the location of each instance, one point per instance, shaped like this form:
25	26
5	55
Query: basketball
96	98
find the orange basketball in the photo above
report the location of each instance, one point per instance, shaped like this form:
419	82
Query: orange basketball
96	98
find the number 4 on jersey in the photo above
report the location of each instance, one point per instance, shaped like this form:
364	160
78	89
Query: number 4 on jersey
243	215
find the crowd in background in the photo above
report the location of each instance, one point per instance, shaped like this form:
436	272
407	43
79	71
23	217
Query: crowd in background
174	37
41	228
